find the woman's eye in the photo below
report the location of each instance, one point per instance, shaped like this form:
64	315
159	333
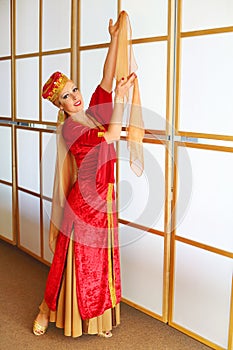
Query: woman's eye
65	96
75	89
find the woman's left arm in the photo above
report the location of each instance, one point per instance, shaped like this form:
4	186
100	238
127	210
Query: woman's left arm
110	62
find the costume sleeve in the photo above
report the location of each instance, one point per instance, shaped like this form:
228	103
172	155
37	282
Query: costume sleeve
100	106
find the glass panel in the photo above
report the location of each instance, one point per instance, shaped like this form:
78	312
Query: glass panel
208	218
48	255
142	268
6	229
48	162
28	159
147	19
92	63
141	199
5	154
29	222
27	88
5	89
206	84
202	293
56	26
98	14
27	16
152	70
5	43
50	64
199	14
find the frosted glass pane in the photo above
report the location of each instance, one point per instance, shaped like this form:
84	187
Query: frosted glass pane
56	26
5	42
148	18
50	64
141	199
5	154
29	222
199	14
6	229
202	293
27	16
28	159
5	89
206	84
152	70
209	215
46	217
142	268
92	63
48	162
27	88
94	21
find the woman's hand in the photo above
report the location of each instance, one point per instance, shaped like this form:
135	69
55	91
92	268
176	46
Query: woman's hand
114	28
114	129
123	87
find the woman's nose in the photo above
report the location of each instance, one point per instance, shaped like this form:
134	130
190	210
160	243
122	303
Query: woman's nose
74	95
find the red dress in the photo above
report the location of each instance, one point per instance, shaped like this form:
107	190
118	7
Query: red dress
91	215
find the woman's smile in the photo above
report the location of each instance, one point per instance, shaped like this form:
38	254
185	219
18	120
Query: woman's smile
78	103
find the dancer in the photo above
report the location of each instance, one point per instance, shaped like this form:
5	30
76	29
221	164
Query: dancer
83	288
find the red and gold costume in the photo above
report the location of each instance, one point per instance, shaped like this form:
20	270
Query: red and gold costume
90	215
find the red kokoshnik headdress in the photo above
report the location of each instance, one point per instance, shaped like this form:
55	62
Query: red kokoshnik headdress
54	85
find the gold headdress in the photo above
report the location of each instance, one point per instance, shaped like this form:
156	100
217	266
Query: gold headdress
53	87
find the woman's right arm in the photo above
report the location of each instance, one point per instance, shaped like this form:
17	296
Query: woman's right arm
114	129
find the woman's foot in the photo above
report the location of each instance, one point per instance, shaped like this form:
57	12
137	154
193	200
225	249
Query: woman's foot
40	324
107	334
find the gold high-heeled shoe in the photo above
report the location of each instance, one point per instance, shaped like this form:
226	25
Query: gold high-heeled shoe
38	329
107	334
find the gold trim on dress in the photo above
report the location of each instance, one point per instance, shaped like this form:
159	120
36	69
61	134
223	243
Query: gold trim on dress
111	275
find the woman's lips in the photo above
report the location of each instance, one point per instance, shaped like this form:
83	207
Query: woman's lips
78	103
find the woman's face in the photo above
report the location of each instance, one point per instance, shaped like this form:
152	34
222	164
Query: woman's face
70	99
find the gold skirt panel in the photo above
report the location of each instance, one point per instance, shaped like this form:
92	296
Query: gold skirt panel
67	315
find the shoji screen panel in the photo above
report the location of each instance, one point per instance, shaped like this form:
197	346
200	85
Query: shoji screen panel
6	131
27	88
48	161
142	260
142	201
211	96
37	53
5	27
5	89
6	184
28	182
202	243
5	62
27	16
141	212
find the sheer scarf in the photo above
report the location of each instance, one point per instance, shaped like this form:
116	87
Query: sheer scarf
126	65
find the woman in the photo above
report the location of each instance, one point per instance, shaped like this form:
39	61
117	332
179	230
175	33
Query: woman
85	273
